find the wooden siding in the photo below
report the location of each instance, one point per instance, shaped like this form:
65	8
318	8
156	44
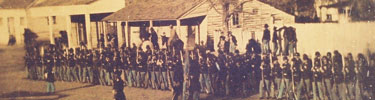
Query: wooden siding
200	10
214	20
265	14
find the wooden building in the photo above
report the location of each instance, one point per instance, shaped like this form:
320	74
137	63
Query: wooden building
336	12
12	20
201	19
80	20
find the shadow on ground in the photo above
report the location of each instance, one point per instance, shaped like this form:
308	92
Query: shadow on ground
28	95
234	96
86	86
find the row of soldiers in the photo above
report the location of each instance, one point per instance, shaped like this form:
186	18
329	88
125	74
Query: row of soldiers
139	68
324	77
224	74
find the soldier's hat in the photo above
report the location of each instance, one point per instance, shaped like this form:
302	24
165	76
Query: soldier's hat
296	54
317	53
71	50
329	54
285	58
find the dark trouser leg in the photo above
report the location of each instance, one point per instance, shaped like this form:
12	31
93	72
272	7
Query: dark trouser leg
358	90
275	48
208	83
165	80
176	93
202	82
158	80
152	79
286	47
130	78
91	74
171	74
84	74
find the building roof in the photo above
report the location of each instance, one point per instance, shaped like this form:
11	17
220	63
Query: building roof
283	5
338	5
14	4
41	3
144	10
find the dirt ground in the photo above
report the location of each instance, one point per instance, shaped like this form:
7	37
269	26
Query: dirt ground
15	86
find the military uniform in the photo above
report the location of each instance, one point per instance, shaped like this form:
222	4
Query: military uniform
79	64
317	79
142	69
203	74
90	66
339	85
297	80
276	75
266	76
360	70
162	64
307	74
327	74
286	76
71	72
108	69
177	82
350	76
212	73
58	66
194	85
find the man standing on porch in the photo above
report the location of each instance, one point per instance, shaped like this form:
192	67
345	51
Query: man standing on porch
266	40
173	35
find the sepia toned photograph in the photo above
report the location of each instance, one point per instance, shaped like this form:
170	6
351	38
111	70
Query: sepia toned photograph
187	49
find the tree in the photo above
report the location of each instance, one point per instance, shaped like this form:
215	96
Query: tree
29	40
363	10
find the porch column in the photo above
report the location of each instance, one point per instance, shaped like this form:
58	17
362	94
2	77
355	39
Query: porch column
127	33
346	14
69	30
17	30
6	26
119	34
198	40
178	28
50	27
151	23
105	33
88	31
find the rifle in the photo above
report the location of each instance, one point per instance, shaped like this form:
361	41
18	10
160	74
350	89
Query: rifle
313	70
304	66
262	68
293	87
322	71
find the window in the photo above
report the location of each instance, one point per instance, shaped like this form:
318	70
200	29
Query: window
53	20
342	11
255	11
235	19
329	17
47	20
22	21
